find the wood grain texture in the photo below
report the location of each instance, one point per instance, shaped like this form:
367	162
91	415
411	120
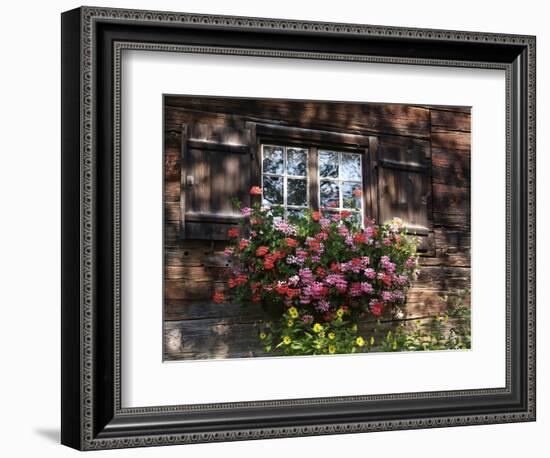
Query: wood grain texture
453	140
194	326
353	117
450	120
451	167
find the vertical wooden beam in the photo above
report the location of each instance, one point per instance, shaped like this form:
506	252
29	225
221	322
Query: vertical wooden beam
183	178
313	174
255	160
370	184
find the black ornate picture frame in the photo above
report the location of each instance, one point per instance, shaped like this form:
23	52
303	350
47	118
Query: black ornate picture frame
92	42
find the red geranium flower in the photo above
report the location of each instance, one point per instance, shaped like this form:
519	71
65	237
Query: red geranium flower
255	191
233	232
243	244
262	251
315	216
256	298
231	282
269	264
292	292
335	267
359	238
377	308
291	242
320	271
345	214
357	192
314	245
386	279
281	288
241	279
218	297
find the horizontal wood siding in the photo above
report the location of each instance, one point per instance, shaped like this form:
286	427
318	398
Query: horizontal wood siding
197	328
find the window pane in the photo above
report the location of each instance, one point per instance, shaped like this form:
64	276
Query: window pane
296	192
356	217
330	196
296	162
273	159
328	164
351	195
272	190
351	167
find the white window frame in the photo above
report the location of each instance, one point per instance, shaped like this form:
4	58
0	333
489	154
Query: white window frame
285	176
340	181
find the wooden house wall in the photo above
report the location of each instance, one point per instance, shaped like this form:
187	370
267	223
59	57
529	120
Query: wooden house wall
196	327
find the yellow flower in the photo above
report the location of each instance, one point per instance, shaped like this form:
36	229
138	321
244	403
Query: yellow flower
331	335
339	313
317	327
263	335
293	312
360	341
331	349
290	323
372	341
354	327
287	340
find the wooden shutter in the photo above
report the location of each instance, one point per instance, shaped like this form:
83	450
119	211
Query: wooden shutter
216	167
404	185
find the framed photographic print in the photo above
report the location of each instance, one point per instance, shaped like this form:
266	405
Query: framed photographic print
278	228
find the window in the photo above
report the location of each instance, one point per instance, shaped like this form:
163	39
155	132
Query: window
341	182
285	183
285	178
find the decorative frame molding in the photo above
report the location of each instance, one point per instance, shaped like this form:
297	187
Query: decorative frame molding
92	414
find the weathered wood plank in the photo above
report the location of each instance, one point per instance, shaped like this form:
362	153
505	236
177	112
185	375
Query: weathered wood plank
175	117
211	339
178	310
449	120
451	167
451	108
443	274
428	301
452	221
172	139
172	211
452	240
451	199
451	140
188	289
196	273
403	149
441	258
358	117
194	256
172	166
172	190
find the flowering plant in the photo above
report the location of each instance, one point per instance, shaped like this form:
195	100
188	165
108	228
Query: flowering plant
320	275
